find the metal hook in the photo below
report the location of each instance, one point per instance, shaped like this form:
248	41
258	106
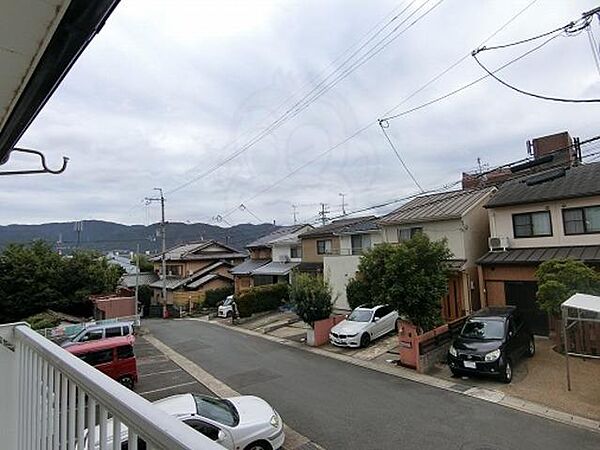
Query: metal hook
45	168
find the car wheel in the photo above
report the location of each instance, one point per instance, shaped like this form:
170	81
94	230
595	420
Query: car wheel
228	315
531	347
365	340
259	445
455	373
127	382
508	372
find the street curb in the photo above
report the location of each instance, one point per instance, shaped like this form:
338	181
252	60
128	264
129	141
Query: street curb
488	395
293	439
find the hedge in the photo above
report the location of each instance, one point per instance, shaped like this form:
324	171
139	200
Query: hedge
214	296
262	298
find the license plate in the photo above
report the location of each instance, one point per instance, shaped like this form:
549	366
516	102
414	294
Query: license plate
470	365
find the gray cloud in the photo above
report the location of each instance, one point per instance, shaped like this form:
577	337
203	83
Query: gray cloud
164	88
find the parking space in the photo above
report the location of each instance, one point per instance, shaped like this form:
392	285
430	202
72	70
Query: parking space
159	377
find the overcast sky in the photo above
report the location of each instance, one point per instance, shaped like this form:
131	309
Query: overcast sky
169	89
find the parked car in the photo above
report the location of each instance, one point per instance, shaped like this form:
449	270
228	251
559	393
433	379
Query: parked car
226	309
112	356
96	332
364	325
490	343
244	423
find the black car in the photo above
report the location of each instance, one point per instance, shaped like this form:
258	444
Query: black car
490	343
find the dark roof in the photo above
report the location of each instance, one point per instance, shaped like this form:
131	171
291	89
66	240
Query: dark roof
248	266
534	256
434	207
495	311
194	251
276	268
340	226
277	234
176	283
310	267
145	278
578	181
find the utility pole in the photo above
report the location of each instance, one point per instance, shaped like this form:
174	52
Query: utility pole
323	214
137	275
341	194
78	229
294	213
163	234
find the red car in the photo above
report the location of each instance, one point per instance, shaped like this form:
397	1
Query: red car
113	356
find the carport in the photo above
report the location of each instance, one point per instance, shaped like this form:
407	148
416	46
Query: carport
578	309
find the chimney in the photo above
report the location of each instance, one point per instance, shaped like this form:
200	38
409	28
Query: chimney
559	144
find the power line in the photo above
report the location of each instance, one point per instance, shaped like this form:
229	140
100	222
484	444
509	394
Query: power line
369	125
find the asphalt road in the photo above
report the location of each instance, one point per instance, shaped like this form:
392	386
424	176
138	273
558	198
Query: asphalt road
342	406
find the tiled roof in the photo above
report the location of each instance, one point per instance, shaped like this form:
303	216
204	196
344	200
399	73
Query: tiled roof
340	226
275	268
434	207
145	278
176	283
248	266
275	235
205	279
586	253
578	181
189	251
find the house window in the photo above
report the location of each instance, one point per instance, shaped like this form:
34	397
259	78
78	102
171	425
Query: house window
405	234
324	247
532	224
261	280
296	252
582	220
360	243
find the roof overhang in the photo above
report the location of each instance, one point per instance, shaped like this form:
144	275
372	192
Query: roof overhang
39	43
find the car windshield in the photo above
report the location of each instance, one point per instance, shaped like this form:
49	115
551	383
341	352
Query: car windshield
227	302
360	315
219	410
483	329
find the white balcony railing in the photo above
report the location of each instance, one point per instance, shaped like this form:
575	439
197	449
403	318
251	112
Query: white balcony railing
49	397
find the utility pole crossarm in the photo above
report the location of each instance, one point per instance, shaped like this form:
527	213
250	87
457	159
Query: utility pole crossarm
163	234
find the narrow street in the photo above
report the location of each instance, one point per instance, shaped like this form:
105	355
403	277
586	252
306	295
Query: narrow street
341	406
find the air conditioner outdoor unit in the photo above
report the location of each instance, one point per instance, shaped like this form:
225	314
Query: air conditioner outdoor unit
498	244
284	258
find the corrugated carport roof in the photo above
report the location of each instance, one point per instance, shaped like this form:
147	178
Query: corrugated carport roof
534	256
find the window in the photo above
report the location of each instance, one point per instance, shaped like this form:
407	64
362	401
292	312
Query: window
124	352
483	329
219	410
532	224
98	357
206	429
360	315
324	247
360	243
113	332
92	335
296	252
405	234
125	330
582	220
261	280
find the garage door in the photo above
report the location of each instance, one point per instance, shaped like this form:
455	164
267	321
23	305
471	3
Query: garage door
522	295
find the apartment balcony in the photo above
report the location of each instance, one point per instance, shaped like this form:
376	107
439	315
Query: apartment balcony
354	251
50	397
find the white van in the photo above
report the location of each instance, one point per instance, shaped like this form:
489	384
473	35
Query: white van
226	309
95	332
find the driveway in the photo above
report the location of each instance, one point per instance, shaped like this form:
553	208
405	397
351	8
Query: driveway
343	406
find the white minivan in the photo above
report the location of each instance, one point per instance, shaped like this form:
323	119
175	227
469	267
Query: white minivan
95	332
226	309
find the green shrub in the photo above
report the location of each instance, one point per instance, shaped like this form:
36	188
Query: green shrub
42	320
262	298
214	296
357	293
311	296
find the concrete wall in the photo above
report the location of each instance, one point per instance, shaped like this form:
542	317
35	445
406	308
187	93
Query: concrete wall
309	248
453	230
338	270
501	224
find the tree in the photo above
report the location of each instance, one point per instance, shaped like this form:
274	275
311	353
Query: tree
412	277
34	278
311	296
145	264
357	293
559	279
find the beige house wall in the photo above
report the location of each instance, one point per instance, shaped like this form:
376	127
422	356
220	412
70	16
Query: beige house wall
501	224
309	248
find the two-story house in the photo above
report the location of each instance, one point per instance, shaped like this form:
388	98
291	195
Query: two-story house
271	258
193	268
549	215
355	238
460	218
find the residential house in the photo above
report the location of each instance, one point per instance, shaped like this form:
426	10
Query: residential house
339	268
272	258
193	268
553	214
460	218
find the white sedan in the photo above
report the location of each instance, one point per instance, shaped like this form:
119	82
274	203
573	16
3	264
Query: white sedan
364	325
244	423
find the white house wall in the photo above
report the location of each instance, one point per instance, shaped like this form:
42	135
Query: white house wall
346	241
501	224
279	252
338	270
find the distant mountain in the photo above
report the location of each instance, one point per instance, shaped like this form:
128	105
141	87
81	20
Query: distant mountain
106	236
